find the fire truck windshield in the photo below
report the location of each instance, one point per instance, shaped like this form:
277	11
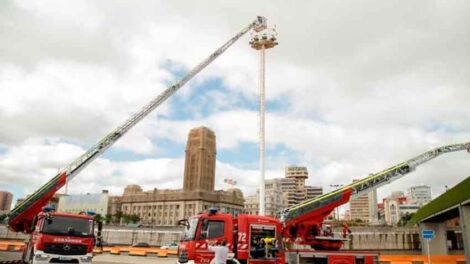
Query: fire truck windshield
67	226
190	229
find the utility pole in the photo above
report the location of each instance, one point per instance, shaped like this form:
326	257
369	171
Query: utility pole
261	41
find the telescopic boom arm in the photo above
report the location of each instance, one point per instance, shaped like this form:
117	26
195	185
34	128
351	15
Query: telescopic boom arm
20	218
316	209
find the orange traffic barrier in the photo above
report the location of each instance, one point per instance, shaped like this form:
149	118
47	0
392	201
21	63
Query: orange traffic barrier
115	251
435	259
106	249
154	250
163	253
172	251
18	247
124	249
11	245
138	252
3	247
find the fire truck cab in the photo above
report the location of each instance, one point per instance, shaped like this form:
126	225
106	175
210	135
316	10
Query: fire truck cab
249	238
61	238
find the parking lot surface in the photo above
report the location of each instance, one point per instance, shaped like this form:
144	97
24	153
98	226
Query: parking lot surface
105	259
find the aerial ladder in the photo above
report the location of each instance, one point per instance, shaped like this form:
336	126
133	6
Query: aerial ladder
21	217
302	222
250	237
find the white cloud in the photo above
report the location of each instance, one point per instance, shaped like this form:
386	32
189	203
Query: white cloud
365	85
39	160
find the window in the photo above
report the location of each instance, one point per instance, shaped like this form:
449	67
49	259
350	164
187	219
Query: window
212	228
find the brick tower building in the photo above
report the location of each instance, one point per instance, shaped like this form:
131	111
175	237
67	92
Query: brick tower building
199	166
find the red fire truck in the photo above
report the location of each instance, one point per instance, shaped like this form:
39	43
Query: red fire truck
61	238
299	234
252	239
68	238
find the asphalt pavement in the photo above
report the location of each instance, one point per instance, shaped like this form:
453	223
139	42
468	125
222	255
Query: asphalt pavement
104	259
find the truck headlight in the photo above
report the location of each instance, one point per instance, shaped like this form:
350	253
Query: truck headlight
41	257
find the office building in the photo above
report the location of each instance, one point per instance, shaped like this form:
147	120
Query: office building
281	193
76	203
364	208
294	185
420	194
6	198
275	199
396	206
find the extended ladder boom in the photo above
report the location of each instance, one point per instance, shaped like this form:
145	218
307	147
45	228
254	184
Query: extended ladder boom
324	204
376	180
20	217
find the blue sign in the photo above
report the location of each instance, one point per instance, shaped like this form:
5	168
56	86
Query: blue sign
428	234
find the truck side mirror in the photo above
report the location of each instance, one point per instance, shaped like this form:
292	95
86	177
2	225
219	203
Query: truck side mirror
183	222
205	224
33	224
204	227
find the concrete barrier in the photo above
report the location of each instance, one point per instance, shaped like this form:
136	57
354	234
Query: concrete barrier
118	235
364	238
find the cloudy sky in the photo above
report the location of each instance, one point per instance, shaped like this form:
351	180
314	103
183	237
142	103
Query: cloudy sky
353	87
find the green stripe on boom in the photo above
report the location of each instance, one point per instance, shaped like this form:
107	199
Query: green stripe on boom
350	186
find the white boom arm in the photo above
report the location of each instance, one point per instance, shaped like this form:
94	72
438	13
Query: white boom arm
376	180
23	212
368	184
72	169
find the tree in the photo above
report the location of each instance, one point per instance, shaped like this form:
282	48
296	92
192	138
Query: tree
126	219
99	218
118	216
108	218
405	218
135	218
